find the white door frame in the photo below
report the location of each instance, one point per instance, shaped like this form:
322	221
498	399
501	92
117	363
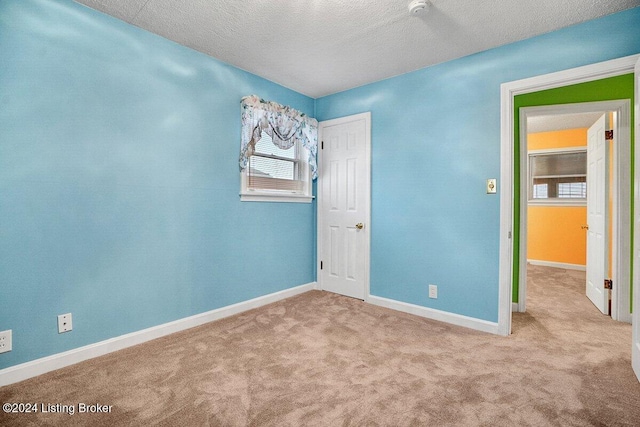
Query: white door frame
508	91
320	217
635	326
621	229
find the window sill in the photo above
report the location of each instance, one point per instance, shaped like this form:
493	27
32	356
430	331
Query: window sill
275	197
565	202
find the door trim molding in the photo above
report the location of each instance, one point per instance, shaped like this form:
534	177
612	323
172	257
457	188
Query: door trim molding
635	318
508	91
320	218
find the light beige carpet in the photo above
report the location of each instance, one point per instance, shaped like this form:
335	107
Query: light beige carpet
320	359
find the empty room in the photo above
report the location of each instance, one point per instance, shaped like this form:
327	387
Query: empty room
292	213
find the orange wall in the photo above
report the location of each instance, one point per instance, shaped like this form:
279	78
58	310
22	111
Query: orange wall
557	139
553	232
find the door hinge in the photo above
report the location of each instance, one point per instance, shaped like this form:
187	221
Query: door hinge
608	134
322	145
509	235
608	284
320	265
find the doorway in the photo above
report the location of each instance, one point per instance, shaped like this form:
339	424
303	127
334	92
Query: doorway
567	203
609	80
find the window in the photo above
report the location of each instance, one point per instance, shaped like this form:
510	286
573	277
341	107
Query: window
558	176
278	151
278	171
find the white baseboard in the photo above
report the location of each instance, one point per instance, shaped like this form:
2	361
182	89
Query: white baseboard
515	307
43	365
564	265
431	313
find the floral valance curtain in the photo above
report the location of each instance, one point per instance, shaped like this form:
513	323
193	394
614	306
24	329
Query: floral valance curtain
283	124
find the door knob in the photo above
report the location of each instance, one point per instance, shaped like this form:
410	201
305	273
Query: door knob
359	226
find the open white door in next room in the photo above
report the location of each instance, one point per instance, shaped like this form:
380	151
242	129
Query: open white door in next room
344	205
597	214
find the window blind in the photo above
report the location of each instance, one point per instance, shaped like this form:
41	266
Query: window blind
560	175
274	168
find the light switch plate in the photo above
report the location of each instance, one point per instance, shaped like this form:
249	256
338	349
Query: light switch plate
492	185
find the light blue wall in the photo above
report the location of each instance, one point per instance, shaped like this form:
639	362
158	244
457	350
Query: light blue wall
435	140
119	182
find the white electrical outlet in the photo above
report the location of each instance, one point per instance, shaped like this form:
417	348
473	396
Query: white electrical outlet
64	323
5	341
433	291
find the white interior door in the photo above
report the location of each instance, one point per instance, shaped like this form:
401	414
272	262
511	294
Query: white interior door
344	205
597	215
635	322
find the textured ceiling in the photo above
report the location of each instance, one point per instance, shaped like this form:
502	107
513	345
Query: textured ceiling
319	47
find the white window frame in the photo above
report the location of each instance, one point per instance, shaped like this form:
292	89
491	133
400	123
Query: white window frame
265	195
553	201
